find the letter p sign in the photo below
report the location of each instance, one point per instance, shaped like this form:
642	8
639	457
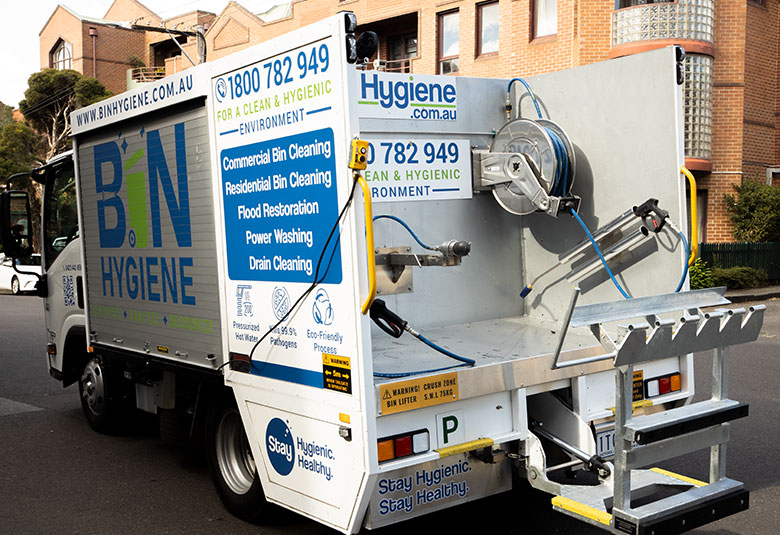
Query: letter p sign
450	428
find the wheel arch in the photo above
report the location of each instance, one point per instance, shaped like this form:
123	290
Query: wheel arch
74	354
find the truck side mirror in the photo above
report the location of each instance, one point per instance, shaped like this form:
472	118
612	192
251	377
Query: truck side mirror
15	224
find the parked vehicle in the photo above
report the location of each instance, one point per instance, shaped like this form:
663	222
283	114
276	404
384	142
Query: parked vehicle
23	280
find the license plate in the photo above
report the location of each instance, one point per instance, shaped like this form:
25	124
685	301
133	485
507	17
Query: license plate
605	443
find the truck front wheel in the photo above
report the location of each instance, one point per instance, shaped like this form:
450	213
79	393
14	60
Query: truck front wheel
232	465
94	390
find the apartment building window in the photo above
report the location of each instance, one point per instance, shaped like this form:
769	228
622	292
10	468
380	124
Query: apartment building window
61	55
449	42
400	50
545	18
487	27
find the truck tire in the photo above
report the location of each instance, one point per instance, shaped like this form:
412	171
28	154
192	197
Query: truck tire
15	289
94	391
232	465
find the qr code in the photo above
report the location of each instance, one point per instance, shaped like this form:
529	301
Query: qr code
67	290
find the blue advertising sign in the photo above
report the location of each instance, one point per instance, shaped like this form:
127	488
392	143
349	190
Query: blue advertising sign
280	202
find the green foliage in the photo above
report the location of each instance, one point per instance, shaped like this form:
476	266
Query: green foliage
50	97
755	212
88	91
19	149
735	278
701	275
6	115
136	62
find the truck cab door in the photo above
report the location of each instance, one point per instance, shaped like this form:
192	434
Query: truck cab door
61	261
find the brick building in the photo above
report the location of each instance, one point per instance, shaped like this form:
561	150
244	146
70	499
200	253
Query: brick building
108	49
732	104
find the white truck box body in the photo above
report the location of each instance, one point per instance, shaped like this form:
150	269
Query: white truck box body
264	135
151	256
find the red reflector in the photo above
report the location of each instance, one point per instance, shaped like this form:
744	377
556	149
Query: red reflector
240	362
403	446
664	385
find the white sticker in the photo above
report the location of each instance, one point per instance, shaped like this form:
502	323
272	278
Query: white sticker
419	169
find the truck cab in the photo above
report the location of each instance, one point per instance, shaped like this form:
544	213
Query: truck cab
62	287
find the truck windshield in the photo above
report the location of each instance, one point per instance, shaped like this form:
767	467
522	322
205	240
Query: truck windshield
60	215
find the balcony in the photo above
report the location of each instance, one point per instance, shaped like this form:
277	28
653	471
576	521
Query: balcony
397	43
143	75
682	20
690	24
390	65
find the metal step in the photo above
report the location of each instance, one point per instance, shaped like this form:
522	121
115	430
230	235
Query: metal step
681	512
685	511
682	420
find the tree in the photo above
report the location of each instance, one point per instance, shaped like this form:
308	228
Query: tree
755	212
20	151
6	115
51	96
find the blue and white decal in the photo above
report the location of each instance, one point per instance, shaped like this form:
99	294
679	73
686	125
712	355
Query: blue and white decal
280	203
419	169
406	96
150	97
287	453
280	446
135	188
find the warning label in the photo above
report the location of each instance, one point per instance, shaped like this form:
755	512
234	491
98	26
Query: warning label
418	393
637	386
337	373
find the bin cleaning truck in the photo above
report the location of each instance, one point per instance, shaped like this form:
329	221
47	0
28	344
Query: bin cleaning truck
381	294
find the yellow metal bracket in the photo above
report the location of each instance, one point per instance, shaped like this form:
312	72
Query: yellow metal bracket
357	162
466	446
635	405
694	217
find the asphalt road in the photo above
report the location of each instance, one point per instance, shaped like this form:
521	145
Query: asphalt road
58	476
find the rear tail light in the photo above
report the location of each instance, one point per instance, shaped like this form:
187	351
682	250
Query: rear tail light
665	384
399	446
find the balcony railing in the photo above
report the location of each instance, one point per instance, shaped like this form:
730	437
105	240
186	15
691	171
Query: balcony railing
389	65
684	19
147	74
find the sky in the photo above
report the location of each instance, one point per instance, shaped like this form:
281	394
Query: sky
24	19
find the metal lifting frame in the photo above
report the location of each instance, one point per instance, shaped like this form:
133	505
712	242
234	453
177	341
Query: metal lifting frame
648	439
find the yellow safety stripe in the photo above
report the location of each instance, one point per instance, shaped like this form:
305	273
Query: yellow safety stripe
687	479
581	509
635	405
466	446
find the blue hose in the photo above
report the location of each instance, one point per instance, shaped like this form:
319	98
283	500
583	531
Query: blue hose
407	374
685	262
598	251
407	227
424	340
465	361
528	88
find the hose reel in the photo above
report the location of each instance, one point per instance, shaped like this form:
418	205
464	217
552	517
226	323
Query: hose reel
529	167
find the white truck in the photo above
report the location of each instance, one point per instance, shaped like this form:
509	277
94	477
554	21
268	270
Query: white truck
217	244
